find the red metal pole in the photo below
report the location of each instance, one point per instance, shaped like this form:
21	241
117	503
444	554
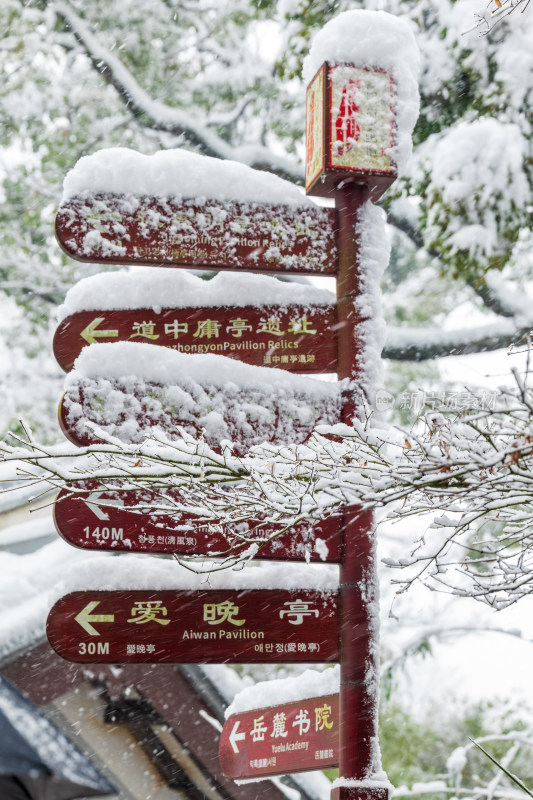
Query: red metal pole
349	199
358	581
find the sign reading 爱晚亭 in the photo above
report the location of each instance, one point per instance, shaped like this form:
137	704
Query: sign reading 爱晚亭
196	627
290	737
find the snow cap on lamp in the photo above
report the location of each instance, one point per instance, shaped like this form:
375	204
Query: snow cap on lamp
362	101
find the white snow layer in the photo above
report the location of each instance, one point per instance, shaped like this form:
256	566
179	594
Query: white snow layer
136	360
310	683
177	174
371	332
149	573
122	388
378	40
157	288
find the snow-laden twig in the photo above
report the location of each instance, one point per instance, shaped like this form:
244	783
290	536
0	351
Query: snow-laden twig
472	471
166	118
496	10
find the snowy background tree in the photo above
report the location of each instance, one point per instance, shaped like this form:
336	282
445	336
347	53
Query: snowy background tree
225	80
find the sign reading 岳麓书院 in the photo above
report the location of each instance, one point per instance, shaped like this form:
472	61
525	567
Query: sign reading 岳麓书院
294	736
113	229
202	627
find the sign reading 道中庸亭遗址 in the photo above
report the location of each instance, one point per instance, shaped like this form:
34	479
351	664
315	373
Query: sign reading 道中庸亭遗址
200	627
109	229
291	337
291	737
100	520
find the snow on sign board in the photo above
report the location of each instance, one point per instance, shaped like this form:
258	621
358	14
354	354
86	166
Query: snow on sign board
349	129
177	208
294	338
195	627
149	287
123	391
206	234
292	737
100	520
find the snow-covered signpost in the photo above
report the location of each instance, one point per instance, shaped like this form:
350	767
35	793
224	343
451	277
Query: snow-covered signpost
361	107
173	210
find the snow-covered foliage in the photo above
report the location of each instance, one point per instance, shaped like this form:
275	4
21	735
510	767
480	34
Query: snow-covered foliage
225	80
470	471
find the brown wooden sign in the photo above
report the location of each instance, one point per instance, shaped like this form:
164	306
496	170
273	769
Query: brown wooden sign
100	520
295	338
195	627
112	229
246	415
290	737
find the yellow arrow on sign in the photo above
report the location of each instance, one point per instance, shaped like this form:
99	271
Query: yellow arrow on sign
90	334
84	618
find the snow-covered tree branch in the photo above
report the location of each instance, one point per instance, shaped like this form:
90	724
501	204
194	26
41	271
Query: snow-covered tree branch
162	117
471	472
496	11
226	79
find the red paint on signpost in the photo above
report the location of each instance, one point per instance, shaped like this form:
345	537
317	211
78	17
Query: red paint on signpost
291	737
111	229
350	135
195	627
295	338
358	577
100	520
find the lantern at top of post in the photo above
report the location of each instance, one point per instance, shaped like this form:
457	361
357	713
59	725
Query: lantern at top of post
350	129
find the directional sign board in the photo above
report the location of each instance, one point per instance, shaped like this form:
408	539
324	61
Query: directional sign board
195	627
294	338
244	414
111	229
100	520
291	737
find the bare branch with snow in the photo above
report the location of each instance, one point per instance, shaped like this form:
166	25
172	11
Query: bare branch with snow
160	116
473	472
